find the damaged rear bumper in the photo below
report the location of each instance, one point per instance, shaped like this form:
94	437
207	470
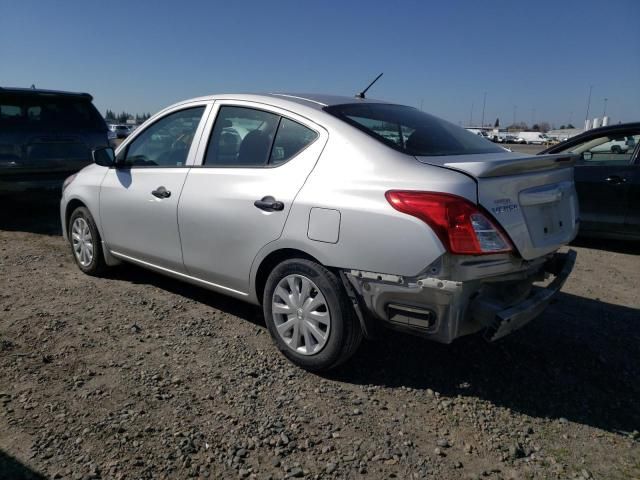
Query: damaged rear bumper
496	296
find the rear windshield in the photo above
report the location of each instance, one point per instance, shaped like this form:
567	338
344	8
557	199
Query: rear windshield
411	131
49	112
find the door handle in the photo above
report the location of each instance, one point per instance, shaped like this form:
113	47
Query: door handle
615	179
269	204
161	192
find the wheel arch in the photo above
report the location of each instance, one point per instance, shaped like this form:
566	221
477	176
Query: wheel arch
268	263
71	206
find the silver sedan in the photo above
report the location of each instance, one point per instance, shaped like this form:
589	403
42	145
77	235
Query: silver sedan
337	215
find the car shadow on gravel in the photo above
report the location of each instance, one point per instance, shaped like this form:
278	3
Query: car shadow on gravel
10	468
32	212
628	247
579	361
232	306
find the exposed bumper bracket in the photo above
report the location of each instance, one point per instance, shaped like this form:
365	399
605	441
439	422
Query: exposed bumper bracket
507	320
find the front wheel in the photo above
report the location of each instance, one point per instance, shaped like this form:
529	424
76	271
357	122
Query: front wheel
309	315
85	242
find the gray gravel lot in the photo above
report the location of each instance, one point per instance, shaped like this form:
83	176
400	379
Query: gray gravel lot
140	376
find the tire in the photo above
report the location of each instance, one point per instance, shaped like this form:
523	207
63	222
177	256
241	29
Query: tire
616	149
342	333
82	231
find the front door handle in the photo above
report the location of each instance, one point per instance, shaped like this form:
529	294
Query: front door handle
615	179
161	192
269	204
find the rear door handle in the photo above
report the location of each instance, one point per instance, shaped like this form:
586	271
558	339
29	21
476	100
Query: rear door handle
269	204
161	192
615	179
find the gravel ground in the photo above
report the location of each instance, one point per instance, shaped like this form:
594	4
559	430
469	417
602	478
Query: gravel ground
140	376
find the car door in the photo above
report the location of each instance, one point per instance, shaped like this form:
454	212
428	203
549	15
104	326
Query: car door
139	197
632	218
603	175
256	160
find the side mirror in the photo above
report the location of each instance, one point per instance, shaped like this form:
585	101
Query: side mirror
105	156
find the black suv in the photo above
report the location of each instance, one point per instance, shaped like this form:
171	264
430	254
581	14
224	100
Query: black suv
45	136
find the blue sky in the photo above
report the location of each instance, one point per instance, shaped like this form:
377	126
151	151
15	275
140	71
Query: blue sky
540	56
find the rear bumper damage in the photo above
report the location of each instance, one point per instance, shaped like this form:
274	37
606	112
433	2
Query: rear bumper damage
497	295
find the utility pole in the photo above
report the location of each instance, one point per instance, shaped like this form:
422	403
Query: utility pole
604	112
515	110
484	102
586	117
421	102
471	116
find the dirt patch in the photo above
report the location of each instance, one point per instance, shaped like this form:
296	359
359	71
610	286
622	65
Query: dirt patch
140	376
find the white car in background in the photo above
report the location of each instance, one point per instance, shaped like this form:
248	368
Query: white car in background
534	138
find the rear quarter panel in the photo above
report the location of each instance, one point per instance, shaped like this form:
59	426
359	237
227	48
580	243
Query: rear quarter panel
352	176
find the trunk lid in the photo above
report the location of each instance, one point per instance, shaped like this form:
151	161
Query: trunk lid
532	198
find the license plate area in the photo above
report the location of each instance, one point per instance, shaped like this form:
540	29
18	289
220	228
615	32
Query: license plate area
550	213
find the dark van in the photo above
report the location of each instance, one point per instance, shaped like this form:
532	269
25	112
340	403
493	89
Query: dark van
45	136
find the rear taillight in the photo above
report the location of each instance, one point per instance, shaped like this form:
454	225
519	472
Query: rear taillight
460	225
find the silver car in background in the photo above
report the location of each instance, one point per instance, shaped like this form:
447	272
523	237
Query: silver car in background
338	215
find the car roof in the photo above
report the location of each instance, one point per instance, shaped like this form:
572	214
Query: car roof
323	100
39	91
308	105
316	101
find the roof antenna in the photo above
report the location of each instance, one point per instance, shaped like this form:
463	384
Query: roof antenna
361	94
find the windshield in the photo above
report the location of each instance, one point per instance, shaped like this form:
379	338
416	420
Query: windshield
411	131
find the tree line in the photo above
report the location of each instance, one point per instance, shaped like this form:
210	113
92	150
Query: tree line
122	117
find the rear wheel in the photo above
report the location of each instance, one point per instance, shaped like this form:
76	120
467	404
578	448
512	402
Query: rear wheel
309	315
86	245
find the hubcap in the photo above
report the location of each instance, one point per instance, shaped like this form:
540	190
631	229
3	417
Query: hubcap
301	314
82	241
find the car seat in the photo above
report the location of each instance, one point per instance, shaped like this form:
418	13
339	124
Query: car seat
254	149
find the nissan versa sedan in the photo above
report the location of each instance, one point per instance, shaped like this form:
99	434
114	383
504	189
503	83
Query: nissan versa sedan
337	215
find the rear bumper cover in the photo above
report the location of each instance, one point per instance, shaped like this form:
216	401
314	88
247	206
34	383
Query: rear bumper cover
443	310
506	320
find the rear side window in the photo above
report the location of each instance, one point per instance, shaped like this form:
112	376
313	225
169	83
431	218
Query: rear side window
411	131
290	140
241	137
49	112
246	137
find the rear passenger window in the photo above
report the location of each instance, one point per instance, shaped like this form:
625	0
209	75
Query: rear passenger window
290	140
241	137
